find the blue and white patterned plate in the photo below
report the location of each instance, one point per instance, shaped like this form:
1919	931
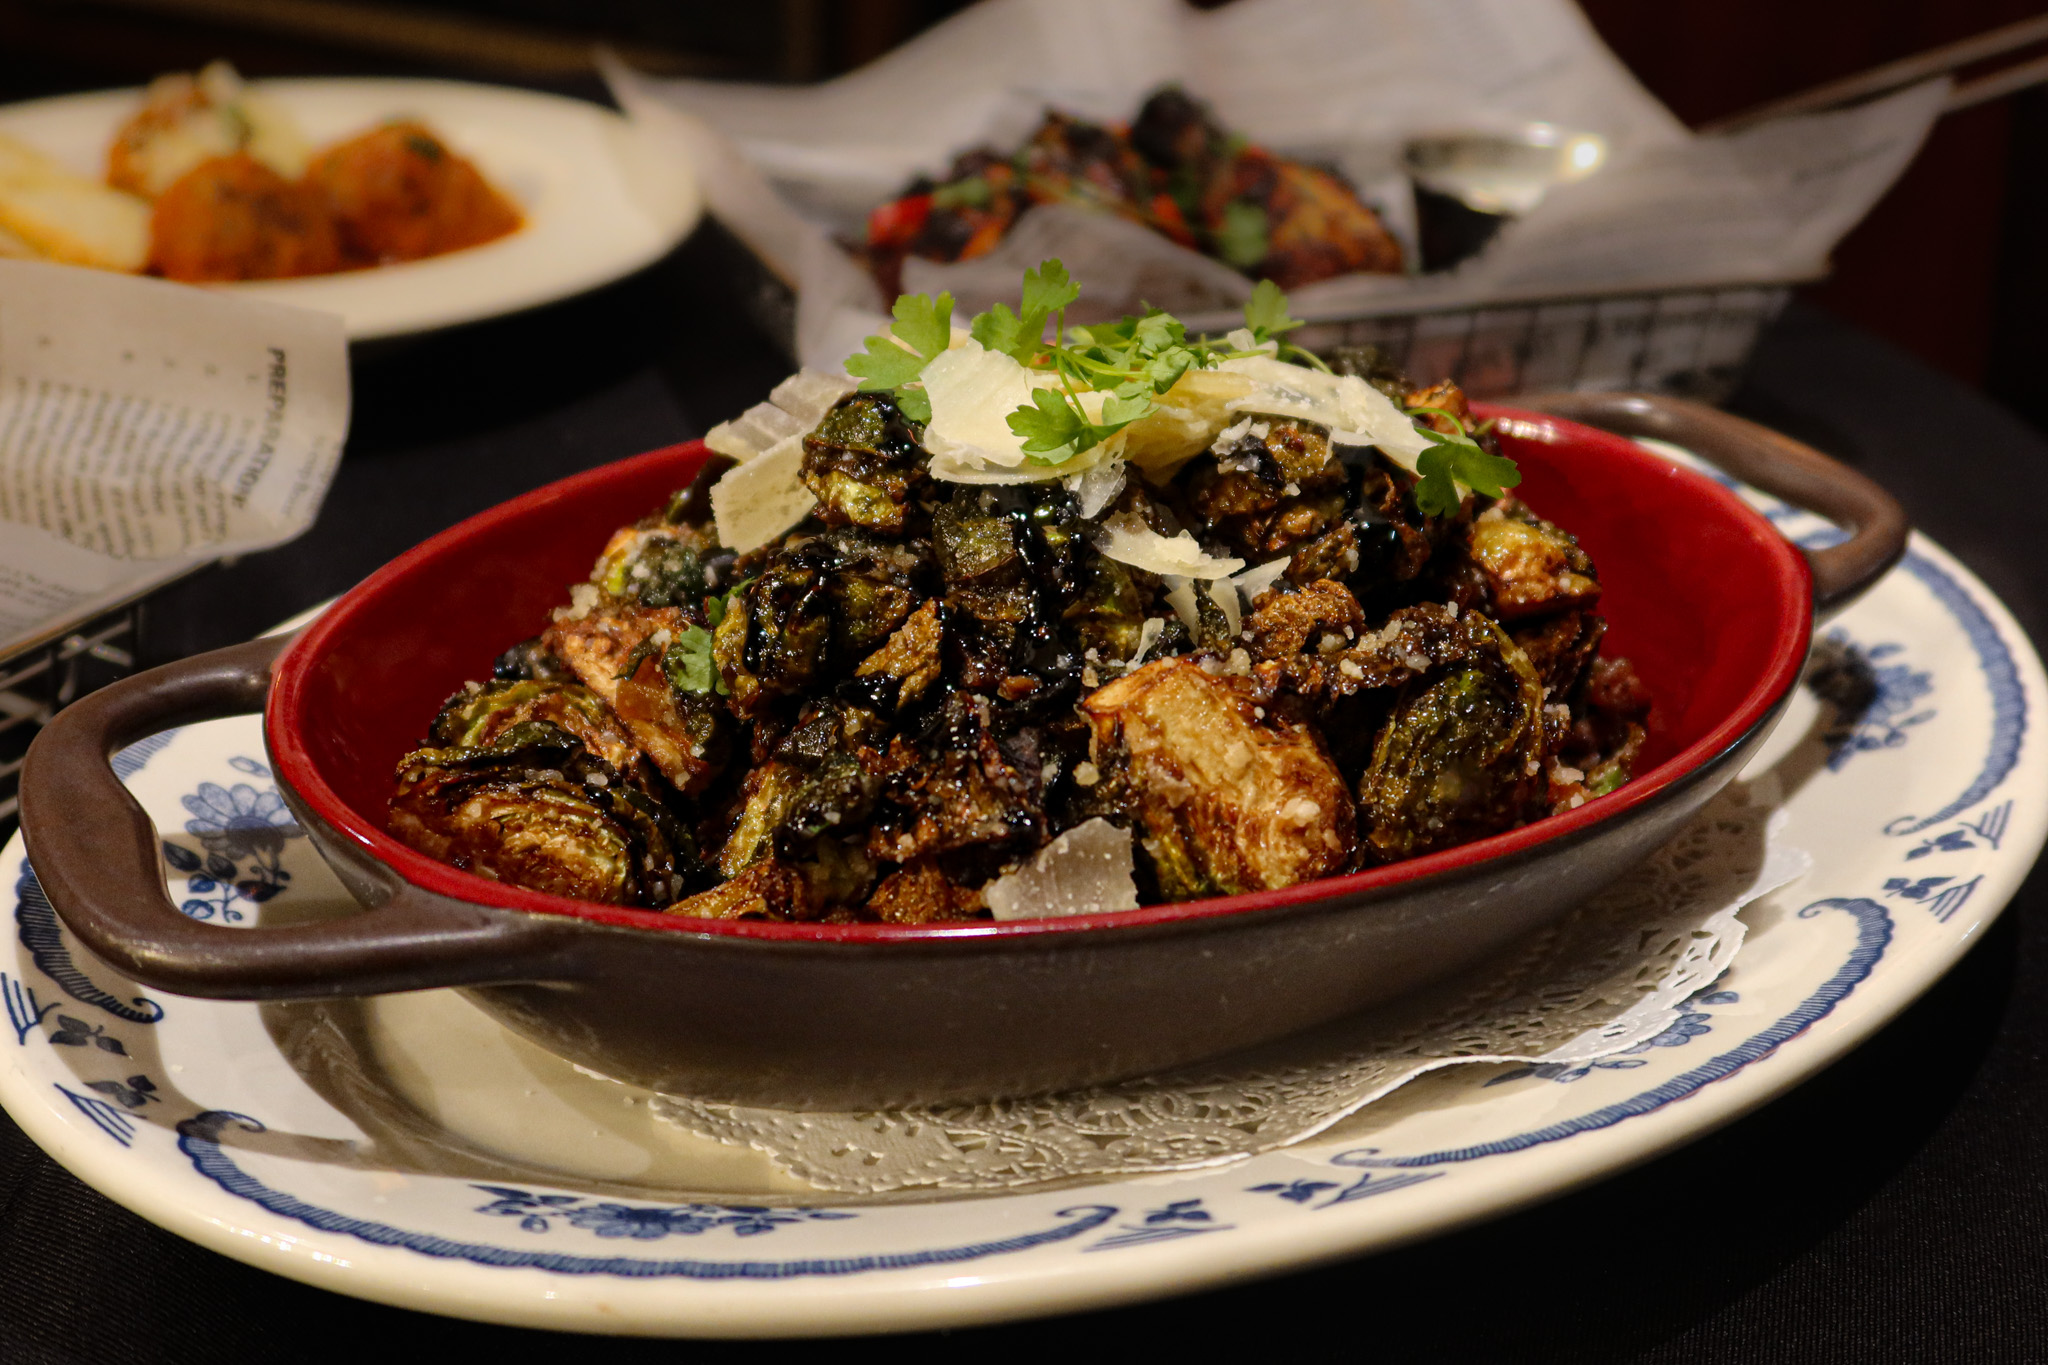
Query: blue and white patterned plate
1915	767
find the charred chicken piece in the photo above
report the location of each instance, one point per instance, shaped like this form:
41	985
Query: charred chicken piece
1269	216
1228	799
534	808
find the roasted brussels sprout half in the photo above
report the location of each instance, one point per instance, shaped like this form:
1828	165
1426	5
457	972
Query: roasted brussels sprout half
862	464
1532	567
535	808
1230	796
819	605
476	716
1462	755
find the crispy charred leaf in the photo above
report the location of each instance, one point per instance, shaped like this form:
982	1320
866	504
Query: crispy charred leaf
1463	753
911	660
474	717
1013	559
663	572
1108	614
819	605
863	463
1227	795
1380	544
536	809
766	890
1611	727
1560	648
618	654
958	787
531	660
922	893
768	794
1531	566
1274	490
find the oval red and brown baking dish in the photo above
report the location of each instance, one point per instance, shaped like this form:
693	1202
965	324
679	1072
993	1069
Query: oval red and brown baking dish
1714	607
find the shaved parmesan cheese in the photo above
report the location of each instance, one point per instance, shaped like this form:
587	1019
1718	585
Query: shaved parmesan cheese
1259	577
1096	487
808	395
797	405
1148	636
754	431
1189	416
1355	411
762	498
973	393
1180	595
1086	871
1130	541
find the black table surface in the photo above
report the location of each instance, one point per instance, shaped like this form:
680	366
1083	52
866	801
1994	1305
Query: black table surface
1893	1208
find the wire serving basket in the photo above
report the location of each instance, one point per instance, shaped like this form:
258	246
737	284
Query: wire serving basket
1694	343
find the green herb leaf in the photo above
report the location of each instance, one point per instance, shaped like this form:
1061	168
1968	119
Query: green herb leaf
925	325
1453	460
689	665
1047	290
1265	313
1051	427
915	404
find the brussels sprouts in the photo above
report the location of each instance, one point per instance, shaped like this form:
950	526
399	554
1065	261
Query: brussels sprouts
862	463
530	660
1230	796
1531	567
1276	489
474	717
534	808
1462	755
818	605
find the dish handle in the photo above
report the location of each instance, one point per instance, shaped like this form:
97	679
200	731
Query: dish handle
97	857
1768	460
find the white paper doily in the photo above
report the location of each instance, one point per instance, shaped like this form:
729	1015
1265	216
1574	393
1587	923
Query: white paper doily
1607	978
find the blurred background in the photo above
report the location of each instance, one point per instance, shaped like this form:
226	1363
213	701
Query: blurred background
1950	266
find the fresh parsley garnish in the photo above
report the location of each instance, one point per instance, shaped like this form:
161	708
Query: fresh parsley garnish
1021	335
688	662
1111	373
924	325
1455	459
1265	313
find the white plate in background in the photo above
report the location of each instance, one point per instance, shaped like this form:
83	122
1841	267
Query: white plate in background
598	203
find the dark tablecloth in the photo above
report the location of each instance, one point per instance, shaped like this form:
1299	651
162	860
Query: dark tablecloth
1893	1208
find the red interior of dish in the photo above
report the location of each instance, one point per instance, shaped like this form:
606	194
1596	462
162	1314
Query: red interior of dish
1711	604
